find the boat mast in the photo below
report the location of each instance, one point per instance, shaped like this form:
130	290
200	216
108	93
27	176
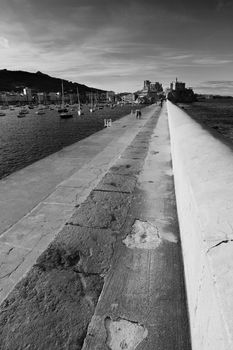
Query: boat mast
78	98
62	94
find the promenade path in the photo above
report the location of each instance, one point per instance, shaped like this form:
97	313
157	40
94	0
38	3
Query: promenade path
96	225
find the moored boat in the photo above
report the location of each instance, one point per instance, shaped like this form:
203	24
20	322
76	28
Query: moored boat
24	111
40	112
66	115
21	114
64	112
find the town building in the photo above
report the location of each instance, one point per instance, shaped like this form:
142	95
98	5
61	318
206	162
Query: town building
110	96
54	97
150	92
179	93
128	98
12	98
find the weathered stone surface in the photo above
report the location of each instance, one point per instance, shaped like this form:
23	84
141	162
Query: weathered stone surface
134	153
128	166
91	248
102	210
59	294
117	183
49	309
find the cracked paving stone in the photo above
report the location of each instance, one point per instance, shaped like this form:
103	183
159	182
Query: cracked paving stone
124	334
11	259
102	210
144	235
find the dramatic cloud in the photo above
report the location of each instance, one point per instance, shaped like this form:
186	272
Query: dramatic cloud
117	44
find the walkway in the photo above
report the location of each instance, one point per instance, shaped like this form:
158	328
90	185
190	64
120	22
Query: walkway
116	266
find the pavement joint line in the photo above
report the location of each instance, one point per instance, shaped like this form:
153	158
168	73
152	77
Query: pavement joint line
115	172
58	203
111	191
92	227
18	246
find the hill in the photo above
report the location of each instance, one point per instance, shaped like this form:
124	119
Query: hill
17	80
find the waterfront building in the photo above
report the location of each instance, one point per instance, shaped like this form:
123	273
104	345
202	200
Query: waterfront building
54	97
128	98
150	92
12	98
179	93
110	96
41	97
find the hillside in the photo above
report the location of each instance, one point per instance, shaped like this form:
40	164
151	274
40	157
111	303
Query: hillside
16	80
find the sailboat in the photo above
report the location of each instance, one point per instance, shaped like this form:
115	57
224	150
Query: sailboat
79	105
64	112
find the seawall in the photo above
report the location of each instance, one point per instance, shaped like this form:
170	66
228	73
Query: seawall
203	169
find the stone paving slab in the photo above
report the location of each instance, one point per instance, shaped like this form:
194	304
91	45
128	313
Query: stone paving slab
55	304
134	153
92	247
127	166
43	221
117	183
102	210
170	324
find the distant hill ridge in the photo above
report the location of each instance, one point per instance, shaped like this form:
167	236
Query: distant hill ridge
17	80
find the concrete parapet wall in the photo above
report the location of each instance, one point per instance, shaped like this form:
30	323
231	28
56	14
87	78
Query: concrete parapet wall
203	174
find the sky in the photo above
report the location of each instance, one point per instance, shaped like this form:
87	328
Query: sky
117	44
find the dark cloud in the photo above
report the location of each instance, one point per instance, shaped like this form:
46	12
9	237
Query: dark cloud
96	40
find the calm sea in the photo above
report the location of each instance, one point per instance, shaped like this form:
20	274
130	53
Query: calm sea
25	140
216	114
